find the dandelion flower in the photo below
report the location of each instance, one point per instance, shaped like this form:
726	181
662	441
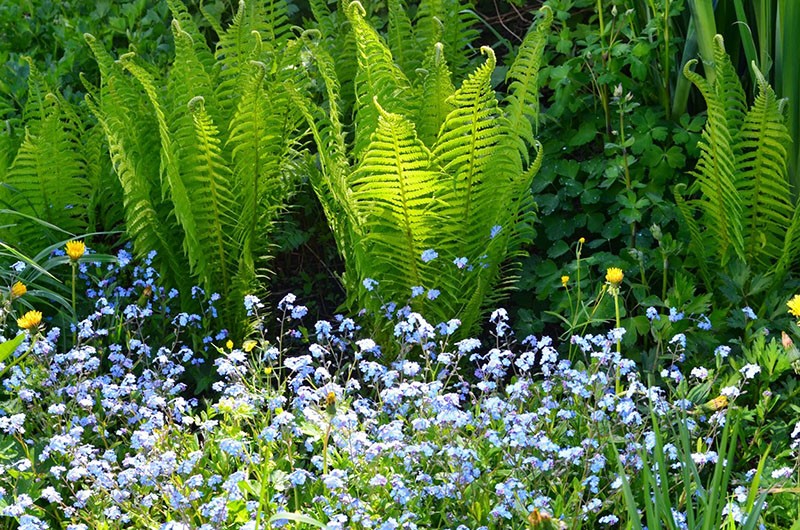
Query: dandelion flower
75	249
564	280
794	306
18	289
614	275
30	320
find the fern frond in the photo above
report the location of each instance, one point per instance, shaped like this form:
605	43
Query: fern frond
188	79
728	88
715	172
208	183
392	193
400	38
523	78
172	184
261	148
468	139
378	77
184	19
452	23
148	229
762	167
437	89
46	179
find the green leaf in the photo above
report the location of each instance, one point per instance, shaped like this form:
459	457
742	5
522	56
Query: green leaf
8	347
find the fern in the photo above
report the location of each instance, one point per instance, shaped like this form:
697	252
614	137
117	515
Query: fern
763	184
378	76
393	198
452	23
716	169
743	193
437	89
225	142
46	179
389	196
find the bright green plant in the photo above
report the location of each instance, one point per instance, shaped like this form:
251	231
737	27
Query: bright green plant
743	194
55	173
206	154
433	192
703	502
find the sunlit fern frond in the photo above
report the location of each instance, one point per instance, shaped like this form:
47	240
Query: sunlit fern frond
149	229
762	165
728	88
208	182
523	78
400	37
392	194
172	185
437	90
466	143
378	77
184	19
188	79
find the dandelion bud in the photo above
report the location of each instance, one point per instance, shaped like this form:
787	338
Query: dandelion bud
18	289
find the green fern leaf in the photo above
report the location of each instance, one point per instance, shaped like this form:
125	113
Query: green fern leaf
715	172
763	185
392	195
378	77
437	90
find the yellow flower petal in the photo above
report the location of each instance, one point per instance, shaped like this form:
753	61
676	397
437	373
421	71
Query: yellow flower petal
75	249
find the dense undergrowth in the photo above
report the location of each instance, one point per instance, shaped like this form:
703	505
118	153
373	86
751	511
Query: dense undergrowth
549	259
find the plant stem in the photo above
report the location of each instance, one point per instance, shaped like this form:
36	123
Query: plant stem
615	294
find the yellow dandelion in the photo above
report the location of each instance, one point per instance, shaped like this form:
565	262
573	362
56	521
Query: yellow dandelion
330	399
229	344
18	289
614	275
30	320
75	249
794	306
564	280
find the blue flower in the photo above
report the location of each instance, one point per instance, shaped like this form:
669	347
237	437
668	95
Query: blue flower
652	314
369	284
460	262
429	255
748	312
674	315
495	230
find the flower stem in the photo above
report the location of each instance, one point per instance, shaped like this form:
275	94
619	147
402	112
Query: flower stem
615	293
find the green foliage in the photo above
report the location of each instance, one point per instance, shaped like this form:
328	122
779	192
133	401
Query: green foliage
705	505
50	33
612	151
54	173
743	194
459	186
206	156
